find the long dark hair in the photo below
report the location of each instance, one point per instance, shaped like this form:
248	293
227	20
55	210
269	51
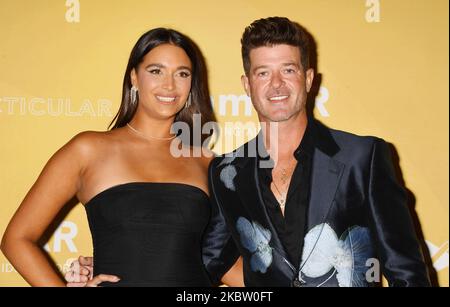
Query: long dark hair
200	97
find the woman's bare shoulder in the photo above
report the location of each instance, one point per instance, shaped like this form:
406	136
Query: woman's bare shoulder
88	140
89	143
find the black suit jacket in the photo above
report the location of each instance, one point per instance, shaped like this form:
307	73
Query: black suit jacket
357	221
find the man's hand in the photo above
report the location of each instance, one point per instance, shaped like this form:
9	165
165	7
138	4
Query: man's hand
80	274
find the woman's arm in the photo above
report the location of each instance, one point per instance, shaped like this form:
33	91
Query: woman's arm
59	181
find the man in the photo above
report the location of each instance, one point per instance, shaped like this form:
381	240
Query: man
329	210
311	206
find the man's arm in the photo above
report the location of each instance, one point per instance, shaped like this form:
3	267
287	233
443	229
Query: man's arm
219	250
391	224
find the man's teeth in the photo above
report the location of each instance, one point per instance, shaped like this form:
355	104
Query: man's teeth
276	98
165	99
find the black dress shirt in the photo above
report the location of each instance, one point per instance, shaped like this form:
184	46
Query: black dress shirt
291	226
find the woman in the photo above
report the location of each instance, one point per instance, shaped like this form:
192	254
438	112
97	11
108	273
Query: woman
147	209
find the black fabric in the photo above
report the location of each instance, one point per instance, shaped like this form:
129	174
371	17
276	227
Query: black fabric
149	234
355	200
291	226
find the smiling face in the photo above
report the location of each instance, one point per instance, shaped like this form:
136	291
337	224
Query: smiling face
163	80
277	82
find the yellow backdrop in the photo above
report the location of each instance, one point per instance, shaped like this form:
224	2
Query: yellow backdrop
384	66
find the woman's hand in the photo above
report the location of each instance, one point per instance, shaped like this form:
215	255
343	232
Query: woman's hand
81	274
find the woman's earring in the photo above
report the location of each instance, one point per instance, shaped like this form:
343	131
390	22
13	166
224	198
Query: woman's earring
188	102
133	95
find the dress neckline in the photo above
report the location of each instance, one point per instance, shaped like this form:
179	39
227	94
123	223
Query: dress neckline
143	183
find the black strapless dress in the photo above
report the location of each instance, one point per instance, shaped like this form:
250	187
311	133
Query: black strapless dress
149	234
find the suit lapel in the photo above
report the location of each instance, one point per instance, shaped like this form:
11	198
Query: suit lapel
326	175
325	178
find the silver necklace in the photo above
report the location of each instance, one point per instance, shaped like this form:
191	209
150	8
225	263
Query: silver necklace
148	137
284	179
282	196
